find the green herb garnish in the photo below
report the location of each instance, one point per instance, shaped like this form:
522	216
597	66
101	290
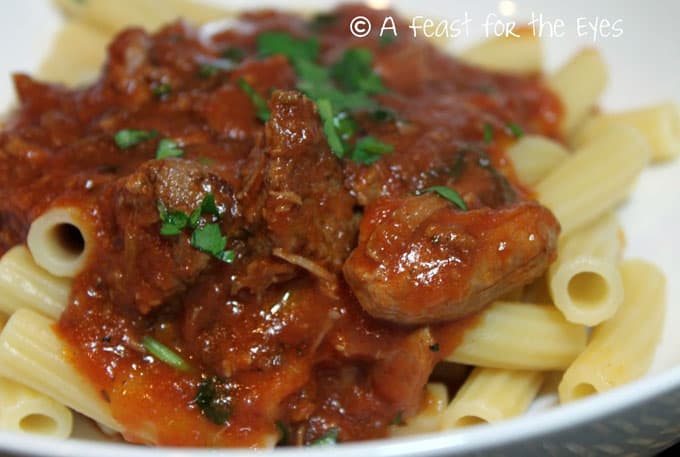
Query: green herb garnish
328	122
234	54
330	437
164	354
387	38
338	91
260	105
283	433
206	161
206	71
271	43
448	193
398	418
214	400
488	133
322	21
161	90
434	347
173	222
369	149
168	148
354	72
127	138
516	130
209	239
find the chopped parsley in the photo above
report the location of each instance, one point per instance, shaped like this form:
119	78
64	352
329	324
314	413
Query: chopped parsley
369	149
338	91
448	193
168	148
164	353
434	347
172	222
127	138
516	130
206	71
322	21
330	437
328	123
345	126
488	133
354	72
207	161
387	38
234	54
283	433
207	238
214	400
260	105
271	43
161	90
398	418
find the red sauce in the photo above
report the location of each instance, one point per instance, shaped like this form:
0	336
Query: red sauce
292	349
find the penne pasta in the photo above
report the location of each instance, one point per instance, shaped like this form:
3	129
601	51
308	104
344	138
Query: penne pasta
490	395
520	336
429	417
534	156
23	284
77	54
619	154
584	281
110	17
579	84
517	55
621	349
33	355
660	125
60	241
24	410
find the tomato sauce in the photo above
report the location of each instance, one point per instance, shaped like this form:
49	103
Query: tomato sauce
292	349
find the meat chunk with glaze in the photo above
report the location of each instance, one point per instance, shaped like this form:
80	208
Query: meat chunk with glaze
155	267
295	186
421	260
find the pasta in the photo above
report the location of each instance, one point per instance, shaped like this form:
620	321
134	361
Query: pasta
429	418
506	336
621	349
110	17
620	153
490	395
60	241
584	280
33	355
161	235
23	284
579	84
24	410
533	157
660	125
518	55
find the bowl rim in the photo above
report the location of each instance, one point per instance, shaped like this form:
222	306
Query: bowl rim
477	438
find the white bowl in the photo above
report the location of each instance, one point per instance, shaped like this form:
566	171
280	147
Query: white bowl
645	63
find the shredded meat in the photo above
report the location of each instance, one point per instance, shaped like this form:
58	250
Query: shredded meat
153	268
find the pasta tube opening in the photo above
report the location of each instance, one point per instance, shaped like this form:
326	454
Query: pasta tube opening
59	242
467	421
38	423
588	289
582	390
